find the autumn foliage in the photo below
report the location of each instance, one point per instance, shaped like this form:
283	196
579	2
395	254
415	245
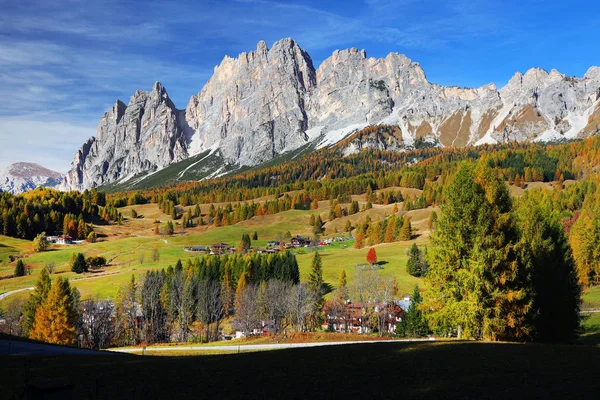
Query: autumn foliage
55	318
372	256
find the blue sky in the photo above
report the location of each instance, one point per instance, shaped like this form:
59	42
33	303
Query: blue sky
63	63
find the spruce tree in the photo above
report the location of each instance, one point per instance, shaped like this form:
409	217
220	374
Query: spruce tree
78	264
473	275
316	286
318	226
554	298
413	322
245	243
406	230
20	268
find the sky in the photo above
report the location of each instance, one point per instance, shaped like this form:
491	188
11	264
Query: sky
64	63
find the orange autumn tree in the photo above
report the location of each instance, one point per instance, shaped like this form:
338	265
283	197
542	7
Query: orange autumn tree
372	256
56	317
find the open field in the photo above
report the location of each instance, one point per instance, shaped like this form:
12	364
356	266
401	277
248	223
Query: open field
384	370
129	248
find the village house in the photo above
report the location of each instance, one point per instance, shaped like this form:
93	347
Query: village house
63	239
298	241
219	248
197	249
358	317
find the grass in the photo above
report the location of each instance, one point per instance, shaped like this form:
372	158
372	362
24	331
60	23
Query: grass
385	370
123	245
591	299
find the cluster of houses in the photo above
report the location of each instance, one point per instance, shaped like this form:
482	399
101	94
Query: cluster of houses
214	249
357	317
273	246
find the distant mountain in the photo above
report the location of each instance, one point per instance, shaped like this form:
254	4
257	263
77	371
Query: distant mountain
272	102
22	176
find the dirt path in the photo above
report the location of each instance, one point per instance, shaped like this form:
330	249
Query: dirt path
257	347
6	294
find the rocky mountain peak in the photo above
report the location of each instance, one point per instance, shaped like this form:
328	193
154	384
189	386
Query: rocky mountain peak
23	176
593	73
268	101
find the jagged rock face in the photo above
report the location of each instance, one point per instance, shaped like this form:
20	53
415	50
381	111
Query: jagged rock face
269	101
146	135
254	106
22	176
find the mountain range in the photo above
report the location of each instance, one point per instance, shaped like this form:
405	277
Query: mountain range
272	102
22	176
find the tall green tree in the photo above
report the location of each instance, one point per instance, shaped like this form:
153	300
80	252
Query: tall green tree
414	323
417	264
406	230
245	243
554	297
79	265
317	287
475	286
42	287
20	268
318	226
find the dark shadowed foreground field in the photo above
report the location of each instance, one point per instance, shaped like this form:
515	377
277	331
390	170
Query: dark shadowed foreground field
390	370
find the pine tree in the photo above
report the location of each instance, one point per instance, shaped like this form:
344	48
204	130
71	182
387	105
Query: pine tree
239	290
390	230
342	289
554	298
56	318
473	275
417	264
432	220
42	287
359	239
20	268
255	236
413	322
406	230
170	228
348	226
316	286
318	227
79	265
245	243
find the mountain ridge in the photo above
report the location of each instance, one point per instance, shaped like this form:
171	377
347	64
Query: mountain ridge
267	102
20	177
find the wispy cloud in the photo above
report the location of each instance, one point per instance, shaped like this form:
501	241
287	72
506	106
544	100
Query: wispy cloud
63	63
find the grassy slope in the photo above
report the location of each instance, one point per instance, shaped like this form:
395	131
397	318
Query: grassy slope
387	370
123	245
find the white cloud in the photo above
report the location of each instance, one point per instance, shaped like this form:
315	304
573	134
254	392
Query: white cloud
49	142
